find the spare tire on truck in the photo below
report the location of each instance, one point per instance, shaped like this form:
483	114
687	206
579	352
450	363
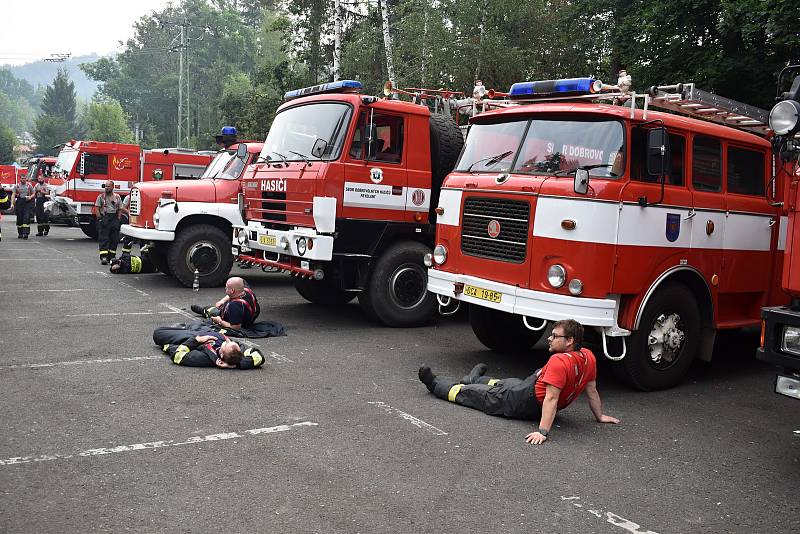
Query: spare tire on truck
446	144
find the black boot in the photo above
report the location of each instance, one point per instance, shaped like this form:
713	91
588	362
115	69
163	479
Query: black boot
427	377
199	310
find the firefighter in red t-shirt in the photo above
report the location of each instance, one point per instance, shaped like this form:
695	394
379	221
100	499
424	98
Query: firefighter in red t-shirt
570	370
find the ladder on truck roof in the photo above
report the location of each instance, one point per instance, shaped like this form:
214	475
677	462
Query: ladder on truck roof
687	99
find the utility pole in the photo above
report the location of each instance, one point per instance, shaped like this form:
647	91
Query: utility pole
182	47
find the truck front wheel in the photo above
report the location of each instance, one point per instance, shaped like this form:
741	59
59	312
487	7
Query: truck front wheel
661	351
202	247
397	293
324	292
502	331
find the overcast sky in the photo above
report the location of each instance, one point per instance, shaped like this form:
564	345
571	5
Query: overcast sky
33	29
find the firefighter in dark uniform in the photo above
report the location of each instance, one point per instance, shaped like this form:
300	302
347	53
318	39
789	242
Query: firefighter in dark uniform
107	209
5	203
128	264
238	308
205	348
22	200
125	217
41	195
570	370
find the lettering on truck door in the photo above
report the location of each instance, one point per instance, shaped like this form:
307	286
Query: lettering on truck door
376	179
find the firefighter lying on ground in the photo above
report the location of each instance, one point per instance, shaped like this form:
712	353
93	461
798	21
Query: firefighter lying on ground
238	308
129	264
205	348
569	371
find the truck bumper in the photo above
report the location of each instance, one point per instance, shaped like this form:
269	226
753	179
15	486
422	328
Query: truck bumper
512	299
302	243
147	234
781	349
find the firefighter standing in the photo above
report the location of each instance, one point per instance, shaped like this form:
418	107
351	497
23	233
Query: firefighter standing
107	210
41	195
22	200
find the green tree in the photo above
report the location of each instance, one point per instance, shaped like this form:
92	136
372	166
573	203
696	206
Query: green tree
106	121
58	122
50	132
7	142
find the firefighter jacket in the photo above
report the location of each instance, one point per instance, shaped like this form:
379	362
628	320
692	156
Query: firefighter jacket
191	353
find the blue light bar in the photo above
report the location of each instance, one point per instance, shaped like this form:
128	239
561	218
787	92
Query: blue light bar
228	130
342	86
566	87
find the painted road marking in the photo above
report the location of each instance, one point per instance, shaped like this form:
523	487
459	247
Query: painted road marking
134	288
152	445
610	517
52	290
110	314
419	423
81	362
278	357
182	312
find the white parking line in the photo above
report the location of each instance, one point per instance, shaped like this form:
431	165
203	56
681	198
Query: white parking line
182	312
279	357
134	288
115	314
53	290
419	423
610	517
80	362
152	445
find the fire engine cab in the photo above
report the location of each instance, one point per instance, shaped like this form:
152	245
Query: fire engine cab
189	222
9	176
780	330
85	165
578	200
342	197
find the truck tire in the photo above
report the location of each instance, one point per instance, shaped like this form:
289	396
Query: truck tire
324	292
446	144
502	331
158	255
396	293
661	351
202	247
90	229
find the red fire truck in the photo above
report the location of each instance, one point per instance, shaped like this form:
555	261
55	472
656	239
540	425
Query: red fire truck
780	330
342	195
651	226
189	222
9	175
85	165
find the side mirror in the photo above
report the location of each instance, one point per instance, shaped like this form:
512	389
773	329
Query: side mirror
319	147
581	181
658	153
241	152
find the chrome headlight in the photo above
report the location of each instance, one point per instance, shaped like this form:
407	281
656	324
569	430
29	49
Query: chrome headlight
301	246
440	254
784	119
556	275
241	236
427	259
575	286
284	243
790	340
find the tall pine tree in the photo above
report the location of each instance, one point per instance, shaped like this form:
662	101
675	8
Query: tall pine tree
58	121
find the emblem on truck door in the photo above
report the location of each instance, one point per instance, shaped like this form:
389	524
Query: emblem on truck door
376	175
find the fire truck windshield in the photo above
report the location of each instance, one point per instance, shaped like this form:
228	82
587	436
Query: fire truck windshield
546	146
217	164
66	161
297	131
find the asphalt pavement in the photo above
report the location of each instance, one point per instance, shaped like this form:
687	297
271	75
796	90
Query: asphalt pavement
100	432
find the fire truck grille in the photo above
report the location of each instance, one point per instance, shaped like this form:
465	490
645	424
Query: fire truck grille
275	203
495	228
135	202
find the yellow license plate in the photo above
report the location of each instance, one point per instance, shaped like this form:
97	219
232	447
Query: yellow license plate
268	240
483	294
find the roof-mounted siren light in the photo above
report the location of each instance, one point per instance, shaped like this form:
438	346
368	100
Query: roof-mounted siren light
551	88
341	86
784	118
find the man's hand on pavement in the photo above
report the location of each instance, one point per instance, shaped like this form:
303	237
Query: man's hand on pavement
608	419
535	438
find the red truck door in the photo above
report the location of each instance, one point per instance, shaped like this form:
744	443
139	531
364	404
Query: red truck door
375	169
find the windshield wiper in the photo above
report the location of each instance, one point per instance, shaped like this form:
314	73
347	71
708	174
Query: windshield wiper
491	160
285	161
583	167
305	158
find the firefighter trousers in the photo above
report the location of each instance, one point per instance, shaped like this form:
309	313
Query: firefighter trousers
508	397
42	217
23	208
108	235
